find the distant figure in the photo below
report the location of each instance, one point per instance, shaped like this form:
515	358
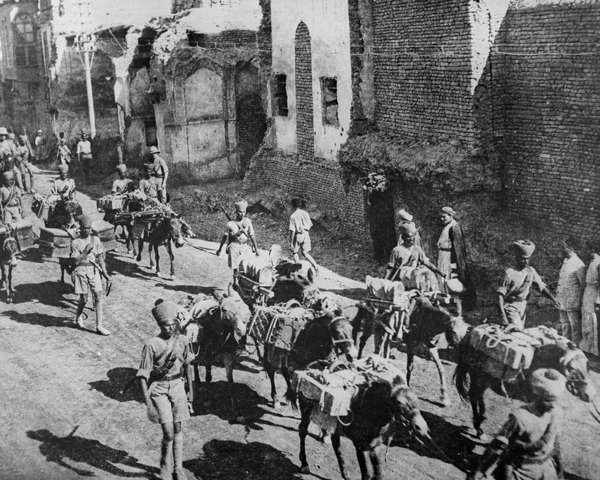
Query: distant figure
84	155
300	224
25	155
120	152
237	235
516	287
41	153
569	292
527	446
64	187
589	320
6	149
452	255
10	196
121	184
161	171
407	254
406	218
63	154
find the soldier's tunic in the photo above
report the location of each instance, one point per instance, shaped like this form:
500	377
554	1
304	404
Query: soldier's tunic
120	185
64	188
167	394
11	204
300	223
86	274
515	289
533	440
238	241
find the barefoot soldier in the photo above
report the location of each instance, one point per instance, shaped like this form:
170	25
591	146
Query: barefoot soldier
88	255
300	224
163	359
237	235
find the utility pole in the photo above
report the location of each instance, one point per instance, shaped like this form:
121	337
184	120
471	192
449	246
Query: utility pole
85	44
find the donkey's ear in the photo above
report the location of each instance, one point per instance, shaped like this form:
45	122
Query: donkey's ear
398	380
178	215
311	275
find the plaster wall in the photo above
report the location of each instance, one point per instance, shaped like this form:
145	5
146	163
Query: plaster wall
330	42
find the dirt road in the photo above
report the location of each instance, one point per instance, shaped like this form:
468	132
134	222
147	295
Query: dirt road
63	416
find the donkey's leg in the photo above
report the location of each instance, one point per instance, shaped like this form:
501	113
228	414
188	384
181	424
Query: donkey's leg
9	284
362	462
305	410
435	356
140	249
375	456
172	257
208	376
152	266
271	373
410	359
229	361
335	443
476	395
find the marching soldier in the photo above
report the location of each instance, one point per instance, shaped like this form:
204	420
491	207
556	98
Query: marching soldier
9	166
516	287
405	218
64	187
237	235
300	224
527	446
10	196
23	162
163	359
7	148
87	253
150	185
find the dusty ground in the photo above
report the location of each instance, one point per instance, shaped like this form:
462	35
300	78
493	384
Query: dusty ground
63	416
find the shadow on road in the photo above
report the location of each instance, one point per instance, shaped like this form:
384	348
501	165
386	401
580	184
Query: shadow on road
249	402
224	460
88	451
118	379
189	289
451	446
48	293
41	319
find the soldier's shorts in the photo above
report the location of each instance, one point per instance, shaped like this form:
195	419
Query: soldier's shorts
84	276
170	401
302	243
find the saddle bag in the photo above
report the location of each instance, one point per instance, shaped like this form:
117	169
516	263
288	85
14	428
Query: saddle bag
333	391
24	234
111	202
106	233
501	355
55	243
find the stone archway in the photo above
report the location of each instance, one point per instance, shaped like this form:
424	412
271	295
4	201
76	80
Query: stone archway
305	131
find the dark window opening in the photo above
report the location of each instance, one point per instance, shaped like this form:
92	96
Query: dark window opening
25	51
280	95
150	128
197	40
330	101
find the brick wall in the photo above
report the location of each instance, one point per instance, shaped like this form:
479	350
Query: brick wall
227	39
548	91
422	68
320	182
305	136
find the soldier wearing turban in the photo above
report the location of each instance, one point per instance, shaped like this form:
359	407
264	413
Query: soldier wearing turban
164	357
405	218
10	196
121	184
407	254
452	255
64	187
527	446
517	284
87	253
239	233
150	185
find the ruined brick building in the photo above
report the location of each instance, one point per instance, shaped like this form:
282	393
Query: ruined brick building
457	96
